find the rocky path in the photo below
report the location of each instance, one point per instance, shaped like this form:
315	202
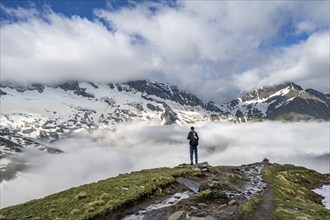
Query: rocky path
265	209
217	193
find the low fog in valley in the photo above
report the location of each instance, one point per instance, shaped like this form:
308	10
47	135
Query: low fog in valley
102	154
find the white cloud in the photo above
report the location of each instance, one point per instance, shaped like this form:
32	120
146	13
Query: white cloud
212	49
20	12
106	153
305	26
306	63
59	48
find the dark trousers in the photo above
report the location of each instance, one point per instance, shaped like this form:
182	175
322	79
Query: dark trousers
193	149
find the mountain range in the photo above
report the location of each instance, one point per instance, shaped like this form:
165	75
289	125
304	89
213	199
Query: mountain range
36	114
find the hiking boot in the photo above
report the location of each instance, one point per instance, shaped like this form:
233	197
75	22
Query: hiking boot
191	163
196	162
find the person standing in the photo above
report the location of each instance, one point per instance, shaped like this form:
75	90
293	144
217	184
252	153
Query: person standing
193	142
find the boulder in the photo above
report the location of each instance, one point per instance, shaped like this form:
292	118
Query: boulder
192	185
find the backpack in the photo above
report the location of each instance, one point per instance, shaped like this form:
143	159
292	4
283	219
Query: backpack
194	139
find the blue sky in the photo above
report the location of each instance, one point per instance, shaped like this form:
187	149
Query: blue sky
82	8
85	9
222	48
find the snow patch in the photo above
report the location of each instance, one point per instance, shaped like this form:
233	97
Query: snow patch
281	92
325	192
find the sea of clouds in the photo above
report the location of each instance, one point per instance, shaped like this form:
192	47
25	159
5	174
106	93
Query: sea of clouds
106	153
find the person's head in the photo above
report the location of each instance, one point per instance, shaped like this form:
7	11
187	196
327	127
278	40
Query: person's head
192	128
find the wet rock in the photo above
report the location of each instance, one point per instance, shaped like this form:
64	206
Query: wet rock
154	211
204	167
192	185
201	204
254	179
232	202
156	214
172	200
176	216
158	201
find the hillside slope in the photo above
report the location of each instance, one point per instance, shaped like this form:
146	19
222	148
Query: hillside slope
187	191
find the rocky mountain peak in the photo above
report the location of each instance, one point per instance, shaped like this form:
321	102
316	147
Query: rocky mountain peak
22	87
165	91
287	101
269	91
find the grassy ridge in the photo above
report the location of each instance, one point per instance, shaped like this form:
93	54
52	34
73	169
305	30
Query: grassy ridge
96	199
293	196
292	187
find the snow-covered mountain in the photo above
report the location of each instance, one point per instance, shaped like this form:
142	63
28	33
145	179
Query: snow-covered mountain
33	116
287	101
50	111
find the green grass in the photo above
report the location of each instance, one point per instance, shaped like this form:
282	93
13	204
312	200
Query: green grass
292	189
293	117
248	206
97	199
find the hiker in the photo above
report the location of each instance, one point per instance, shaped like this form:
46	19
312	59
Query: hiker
193	142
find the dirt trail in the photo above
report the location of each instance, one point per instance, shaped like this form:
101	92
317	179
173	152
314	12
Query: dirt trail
265	209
